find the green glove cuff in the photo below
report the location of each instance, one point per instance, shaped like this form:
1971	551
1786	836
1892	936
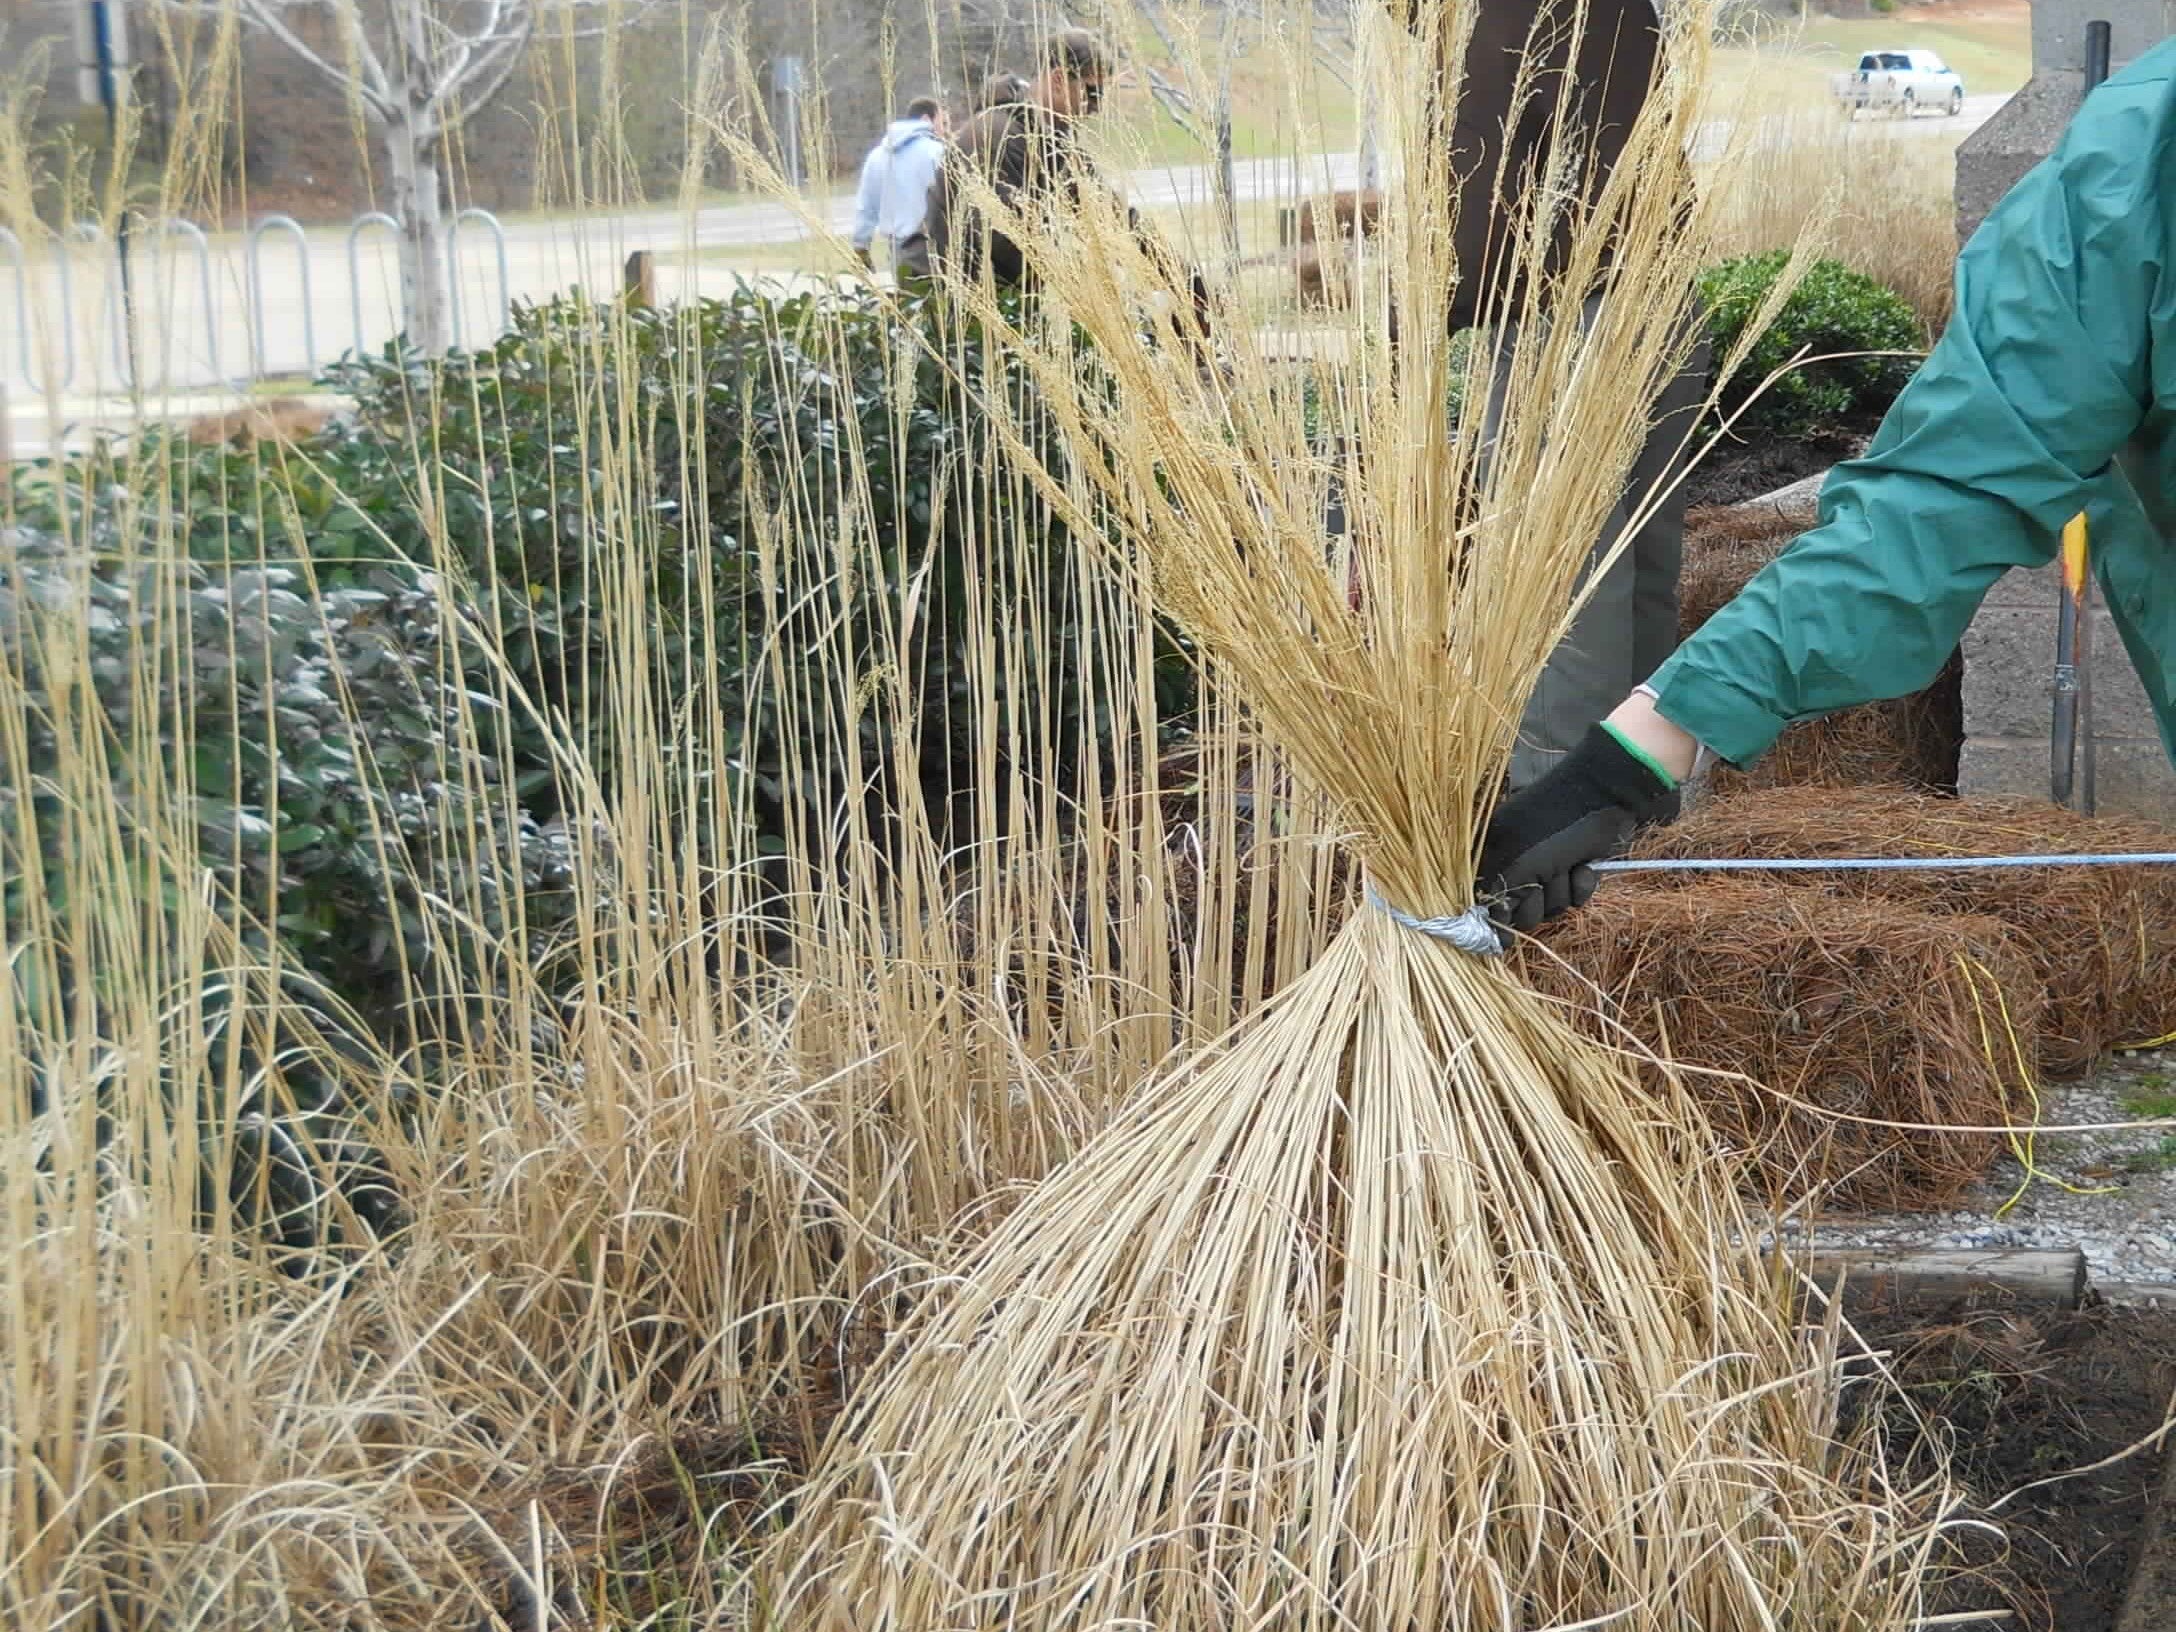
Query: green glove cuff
1668	781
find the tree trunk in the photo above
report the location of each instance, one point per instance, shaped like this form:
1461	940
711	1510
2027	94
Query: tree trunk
426	306
1227	191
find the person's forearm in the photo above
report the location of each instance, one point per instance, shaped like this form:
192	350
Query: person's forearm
1670	746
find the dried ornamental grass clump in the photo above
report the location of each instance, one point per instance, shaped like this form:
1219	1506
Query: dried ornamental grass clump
2103	939
1838	1041
1401	1306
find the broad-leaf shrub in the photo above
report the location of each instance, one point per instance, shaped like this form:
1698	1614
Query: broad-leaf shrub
1833	310
404	631
323	744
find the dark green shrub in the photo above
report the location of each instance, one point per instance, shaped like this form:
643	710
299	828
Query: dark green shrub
1833	310
813	412
350	723
323	739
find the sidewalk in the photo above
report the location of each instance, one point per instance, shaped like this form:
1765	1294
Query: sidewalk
32	422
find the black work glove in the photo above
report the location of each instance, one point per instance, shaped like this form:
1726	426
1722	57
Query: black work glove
1536	858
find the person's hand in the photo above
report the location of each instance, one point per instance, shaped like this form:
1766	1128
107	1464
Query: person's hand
1538	854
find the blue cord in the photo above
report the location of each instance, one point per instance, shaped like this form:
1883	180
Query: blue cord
1882	864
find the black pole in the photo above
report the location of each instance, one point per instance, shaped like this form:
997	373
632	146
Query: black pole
109	92
2096	54
2073	725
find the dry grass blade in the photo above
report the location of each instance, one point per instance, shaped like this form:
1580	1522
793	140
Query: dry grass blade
1402	1307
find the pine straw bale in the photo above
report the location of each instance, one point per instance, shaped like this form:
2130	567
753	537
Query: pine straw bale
2104	938
1832	1007
1754	525
1913	741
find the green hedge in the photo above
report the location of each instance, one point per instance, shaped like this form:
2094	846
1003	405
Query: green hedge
322	735
1833	310
346	723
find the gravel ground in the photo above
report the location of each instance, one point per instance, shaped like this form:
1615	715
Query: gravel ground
2120	1206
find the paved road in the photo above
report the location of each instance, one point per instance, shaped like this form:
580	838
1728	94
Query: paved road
208	311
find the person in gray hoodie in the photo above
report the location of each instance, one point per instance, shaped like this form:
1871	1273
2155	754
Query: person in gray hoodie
896	180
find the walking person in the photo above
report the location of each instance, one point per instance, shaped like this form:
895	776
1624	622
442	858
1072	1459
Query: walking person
897	179
1025	149
1000	90
1028	151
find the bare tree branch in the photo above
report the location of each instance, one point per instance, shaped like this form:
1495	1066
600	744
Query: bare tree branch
461	47
265	14
1176	102
490	76
439	65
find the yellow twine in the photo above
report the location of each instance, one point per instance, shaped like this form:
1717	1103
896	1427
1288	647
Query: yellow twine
2021	1145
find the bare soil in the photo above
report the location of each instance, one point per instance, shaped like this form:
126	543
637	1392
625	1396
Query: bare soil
2019	1395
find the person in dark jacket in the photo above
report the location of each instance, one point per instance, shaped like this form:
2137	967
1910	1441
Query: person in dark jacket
1022	149
1027	150
1525	61
1000	90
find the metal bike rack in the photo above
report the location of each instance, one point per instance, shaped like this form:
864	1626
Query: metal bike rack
254	249
371	218
453	267
25	346
84	232
193	235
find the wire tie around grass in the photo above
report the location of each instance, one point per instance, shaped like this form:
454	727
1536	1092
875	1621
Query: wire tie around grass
1470	931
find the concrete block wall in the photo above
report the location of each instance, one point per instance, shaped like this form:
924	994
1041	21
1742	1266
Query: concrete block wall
2009	652
2009	704
2021	134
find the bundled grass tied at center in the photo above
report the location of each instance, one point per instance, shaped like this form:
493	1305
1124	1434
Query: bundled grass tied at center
1401	1306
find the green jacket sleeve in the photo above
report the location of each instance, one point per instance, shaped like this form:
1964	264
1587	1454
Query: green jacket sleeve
2042	376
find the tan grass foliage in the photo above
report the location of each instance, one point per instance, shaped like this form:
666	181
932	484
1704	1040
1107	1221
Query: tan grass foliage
665	1187
1882	194
657	1201
1399	1306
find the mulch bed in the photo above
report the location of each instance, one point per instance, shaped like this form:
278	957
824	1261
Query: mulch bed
1737	471
2017	1394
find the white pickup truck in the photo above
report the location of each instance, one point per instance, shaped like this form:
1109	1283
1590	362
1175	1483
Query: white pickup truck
1905	82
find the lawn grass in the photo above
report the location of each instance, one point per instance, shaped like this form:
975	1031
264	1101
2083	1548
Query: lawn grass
1283	101
1791	66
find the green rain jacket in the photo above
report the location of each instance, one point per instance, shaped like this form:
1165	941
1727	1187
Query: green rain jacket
2052	391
